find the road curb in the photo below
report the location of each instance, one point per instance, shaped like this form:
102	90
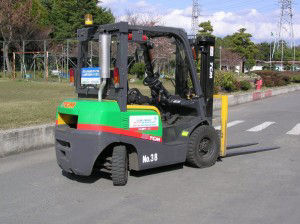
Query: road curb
14	141
256	95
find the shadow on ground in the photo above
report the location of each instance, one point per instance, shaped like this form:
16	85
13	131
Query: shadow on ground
95	176
156	170
250	151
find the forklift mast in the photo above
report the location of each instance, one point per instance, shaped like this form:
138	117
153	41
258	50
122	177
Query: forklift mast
204	47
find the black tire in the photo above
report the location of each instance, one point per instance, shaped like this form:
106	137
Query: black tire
203	147
119	169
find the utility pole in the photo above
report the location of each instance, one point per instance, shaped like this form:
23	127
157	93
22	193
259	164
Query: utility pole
281	59
23	67
4	72
45	61
285	30
294	56
220	58
195	16
270	55
68	75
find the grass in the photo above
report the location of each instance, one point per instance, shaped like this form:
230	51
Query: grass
25	103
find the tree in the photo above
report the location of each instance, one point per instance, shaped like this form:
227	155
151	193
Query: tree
263	51
142	19
21	20
230	59
240	42
67	16
138	69
164	46
206	29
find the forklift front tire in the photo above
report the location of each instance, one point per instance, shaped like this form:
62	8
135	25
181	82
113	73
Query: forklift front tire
203	147
119	169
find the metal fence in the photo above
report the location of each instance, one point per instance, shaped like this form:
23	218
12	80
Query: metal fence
38	59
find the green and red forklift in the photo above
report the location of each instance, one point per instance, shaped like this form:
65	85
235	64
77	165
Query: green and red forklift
114	128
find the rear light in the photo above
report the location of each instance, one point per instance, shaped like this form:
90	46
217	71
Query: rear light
116	77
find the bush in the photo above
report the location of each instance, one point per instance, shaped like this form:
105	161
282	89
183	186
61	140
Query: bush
278	81
231	86
138	69
245	85
226	80
275	78
286	79
268	81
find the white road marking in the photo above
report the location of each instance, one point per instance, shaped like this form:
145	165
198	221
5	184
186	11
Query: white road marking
295	130
261	126
230	124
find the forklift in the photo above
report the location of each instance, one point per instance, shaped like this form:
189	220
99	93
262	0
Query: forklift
117	129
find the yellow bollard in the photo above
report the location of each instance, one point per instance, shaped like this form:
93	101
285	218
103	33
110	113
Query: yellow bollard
224	120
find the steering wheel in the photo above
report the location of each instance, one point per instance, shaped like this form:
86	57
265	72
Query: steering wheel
151	79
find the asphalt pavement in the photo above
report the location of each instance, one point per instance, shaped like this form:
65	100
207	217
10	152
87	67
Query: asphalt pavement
257	184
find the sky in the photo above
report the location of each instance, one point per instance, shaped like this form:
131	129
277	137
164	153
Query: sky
259	17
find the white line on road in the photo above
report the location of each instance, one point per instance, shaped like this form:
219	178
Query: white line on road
295	130
261	126
230	124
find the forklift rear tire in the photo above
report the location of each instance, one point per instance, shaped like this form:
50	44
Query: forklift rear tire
203	147
119	169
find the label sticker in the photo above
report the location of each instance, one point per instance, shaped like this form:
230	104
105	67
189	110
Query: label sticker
90	76
184	133
212	51
145	122
211	70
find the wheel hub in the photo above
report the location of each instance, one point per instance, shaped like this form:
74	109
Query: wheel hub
204	146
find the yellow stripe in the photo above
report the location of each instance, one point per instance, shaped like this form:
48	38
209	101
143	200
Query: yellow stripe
142	107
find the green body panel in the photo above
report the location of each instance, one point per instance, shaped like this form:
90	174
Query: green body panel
106	113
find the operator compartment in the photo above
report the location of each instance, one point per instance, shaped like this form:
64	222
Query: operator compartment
140	67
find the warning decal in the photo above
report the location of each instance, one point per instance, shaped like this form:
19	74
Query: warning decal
145	122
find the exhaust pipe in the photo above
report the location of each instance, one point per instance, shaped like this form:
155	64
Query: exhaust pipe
104	61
